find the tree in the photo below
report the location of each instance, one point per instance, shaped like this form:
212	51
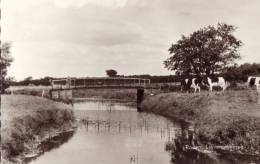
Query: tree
241	73
29	78
111	73
5	61
205	51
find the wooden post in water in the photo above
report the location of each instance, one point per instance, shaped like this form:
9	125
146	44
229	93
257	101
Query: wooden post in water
140	96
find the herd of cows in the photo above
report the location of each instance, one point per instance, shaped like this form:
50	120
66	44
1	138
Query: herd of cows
210	82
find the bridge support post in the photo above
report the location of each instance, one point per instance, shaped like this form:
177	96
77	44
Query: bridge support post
140	96
61	95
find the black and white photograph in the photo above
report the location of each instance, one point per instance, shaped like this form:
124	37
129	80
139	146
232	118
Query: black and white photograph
130	81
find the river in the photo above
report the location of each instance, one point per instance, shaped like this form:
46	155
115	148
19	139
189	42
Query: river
113	133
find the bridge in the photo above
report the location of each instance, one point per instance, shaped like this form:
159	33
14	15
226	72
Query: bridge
62	88
102	82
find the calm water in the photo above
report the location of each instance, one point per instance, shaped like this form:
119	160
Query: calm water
110	133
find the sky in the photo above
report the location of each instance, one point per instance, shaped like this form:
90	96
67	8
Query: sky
80	38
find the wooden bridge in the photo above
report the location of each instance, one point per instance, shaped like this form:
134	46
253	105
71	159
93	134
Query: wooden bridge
107	82
62	88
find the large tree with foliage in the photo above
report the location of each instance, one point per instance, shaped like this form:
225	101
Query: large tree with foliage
205	51
5	61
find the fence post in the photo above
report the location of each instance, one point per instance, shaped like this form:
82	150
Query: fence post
140	96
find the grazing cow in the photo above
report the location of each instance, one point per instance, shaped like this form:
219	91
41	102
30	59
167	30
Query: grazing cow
185	84
253	80
215	81
195	83
257	83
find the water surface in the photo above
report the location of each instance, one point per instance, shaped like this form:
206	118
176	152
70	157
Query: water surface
111	133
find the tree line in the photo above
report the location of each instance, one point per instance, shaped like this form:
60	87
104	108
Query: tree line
235	73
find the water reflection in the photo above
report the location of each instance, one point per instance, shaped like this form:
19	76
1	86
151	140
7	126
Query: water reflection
143	126
185	150
52	143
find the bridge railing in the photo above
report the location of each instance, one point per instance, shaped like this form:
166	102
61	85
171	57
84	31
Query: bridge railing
67	83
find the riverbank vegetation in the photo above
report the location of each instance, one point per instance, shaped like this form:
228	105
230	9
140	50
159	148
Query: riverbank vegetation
5	61
231	118
124	94
110	94
42	91
27	121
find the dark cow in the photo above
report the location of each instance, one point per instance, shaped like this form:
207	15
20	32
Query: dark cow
185	84
251	81
215	81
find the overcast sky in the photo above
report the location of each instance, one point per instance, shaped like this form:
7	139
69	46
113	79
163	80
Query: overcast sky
85	37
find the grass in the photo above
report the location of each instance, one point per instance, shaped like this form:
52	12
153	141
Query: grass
29	90
220	119
117	94
27	121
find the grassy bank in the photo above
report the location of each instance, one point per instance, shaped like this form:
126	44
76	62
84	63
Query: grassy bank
115	94
220	119
42	91
110	94
27	121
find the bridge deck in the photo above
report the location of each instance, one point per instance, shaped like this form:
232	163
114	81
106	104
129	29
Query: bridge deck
105	87
95	83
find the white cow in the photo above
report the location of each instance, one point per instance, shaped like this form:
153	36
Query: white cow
219	81
253	80
257	84
250	80
196	84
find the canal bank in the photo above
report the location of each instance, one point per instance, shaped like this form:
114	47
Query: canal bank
27	122
224	122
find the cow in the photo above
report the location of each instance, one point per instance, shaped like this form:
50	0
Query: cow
215	81
185	84
194	83
257	83
253	80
